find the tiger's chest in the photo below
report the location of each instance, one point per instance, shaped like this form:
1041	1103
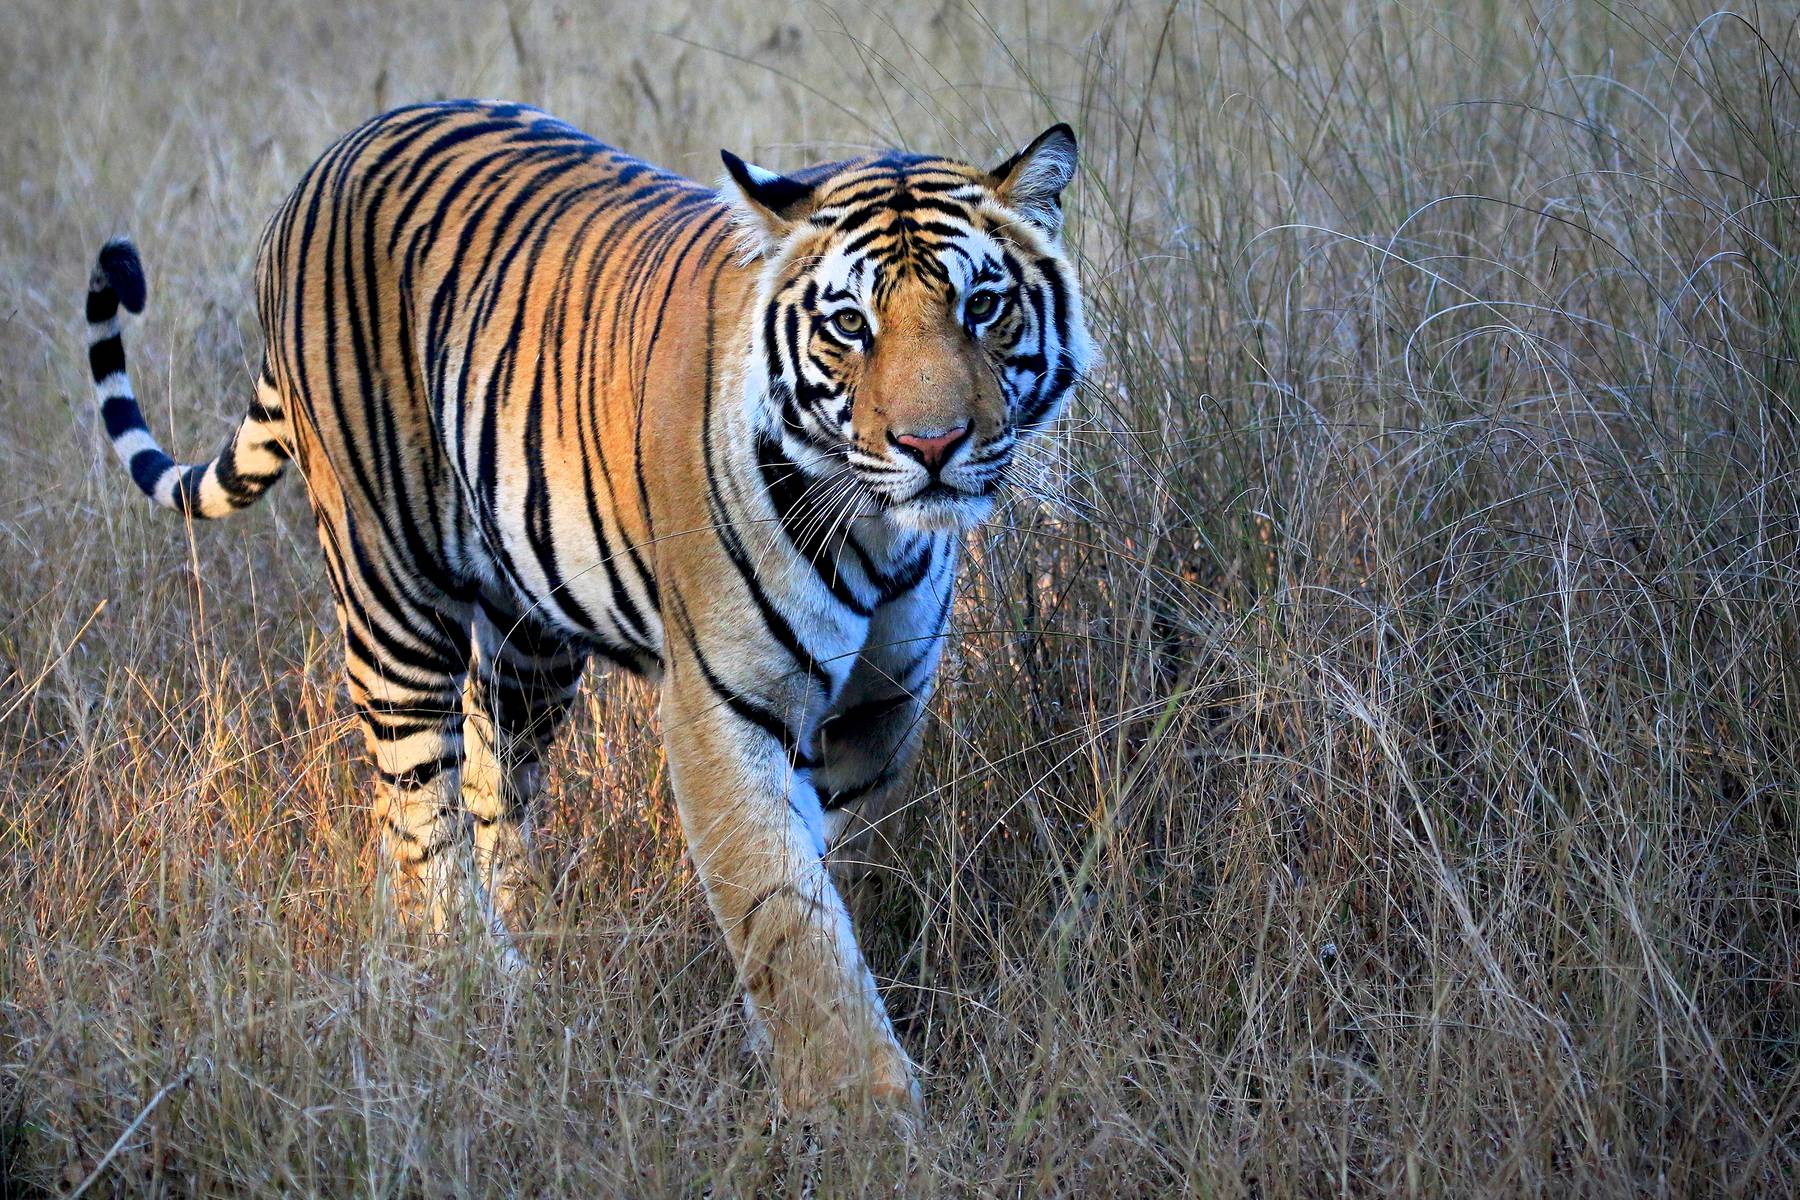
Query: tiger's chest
570	530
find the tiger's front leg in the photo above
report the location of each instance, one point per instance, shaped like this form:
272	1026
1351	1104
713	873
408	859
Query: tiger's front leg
755	830
867	743
866	753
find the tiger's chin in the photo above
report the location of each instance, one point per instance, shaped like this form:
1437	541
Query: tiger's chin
940	509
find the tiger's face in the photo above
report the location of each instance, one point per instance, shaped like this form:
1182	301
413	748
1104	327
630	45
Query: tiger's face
917	318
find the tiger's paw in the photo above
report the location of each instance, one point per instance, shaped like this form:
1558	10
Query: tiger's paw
859	1115
882	1096
449	909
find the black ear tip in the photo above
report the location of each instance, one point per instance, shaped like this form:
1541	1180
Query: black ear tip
1061	131
777	193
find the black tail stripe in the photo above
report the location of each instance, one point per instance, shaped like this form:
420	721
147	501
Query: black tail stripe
106	357
102	302
148	467
121	415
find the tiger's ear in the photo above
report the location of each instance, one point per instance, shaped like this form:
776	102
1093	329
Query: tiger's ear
767	205
1031	182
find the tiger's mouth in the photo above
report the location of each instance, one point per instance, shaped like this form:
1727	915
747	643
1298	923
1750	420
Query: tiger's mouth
939	506
937	491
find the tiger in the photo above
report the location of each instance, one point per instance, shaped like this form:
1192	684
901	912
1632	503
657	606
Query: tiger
552	403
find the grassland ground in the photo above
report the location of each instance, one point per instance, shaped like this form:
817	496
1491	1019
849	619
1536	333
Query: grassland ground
1368	758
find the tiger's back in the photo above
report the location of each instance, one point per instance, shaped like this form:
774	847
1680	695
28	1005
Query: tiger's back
419	292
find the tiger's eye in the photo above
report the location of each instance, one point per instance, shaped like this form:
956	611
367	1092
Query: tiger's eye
982	305
850	323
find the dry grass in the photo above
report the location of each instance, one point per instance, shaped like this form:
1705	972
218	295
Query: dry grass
1377	776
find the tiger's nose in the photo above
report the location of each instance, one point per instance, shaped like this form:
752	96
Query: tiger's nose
931	448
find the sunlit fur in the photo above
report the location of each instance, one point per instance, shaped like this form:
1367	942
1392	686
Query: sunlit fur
549	402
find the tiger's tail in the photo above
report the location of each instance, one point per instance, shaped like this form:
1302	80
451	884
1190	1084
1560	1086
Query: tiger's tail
234	478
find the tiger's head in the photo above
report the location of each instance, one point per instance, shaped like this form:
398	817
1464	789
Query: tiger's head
916	317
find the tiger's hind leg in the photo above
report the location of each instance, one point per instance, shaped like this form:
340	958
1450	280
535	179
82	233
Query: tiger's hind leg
406	653
524	680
